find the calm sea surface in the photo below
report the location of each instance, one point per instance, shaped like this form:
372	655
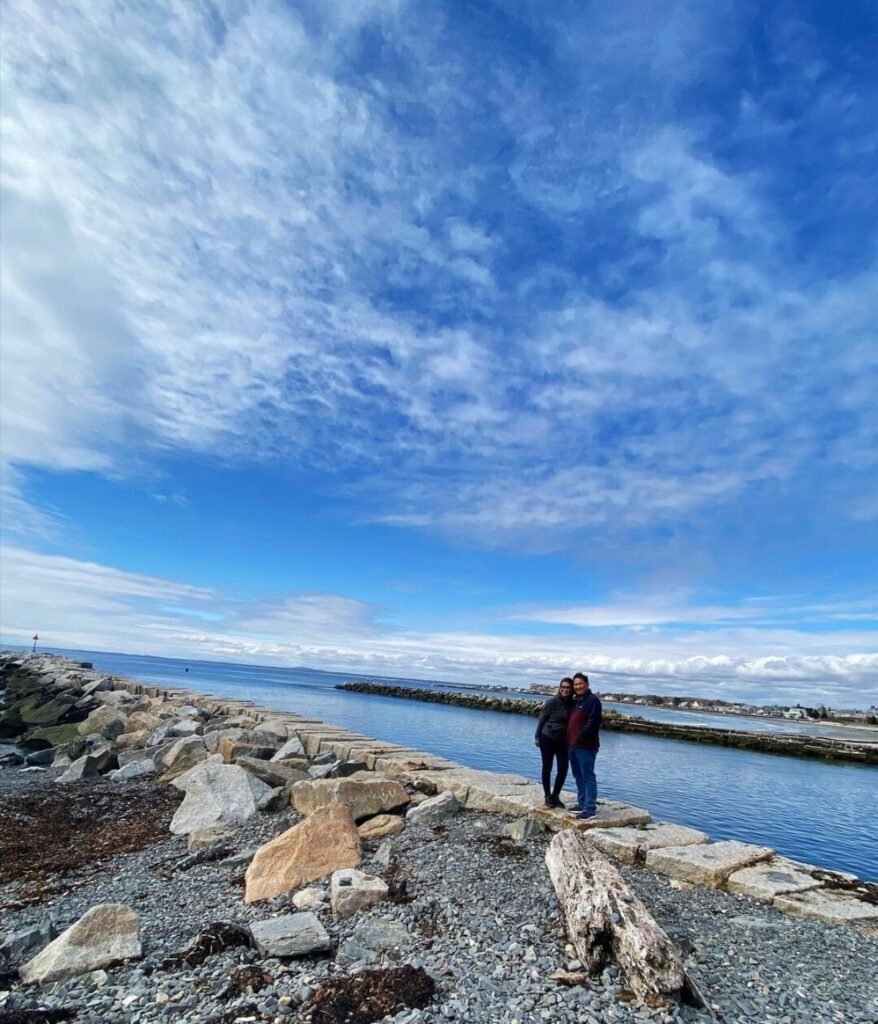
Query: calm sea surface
815	811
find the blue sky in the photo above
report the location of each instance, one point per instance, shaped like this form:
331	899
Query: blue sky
477	341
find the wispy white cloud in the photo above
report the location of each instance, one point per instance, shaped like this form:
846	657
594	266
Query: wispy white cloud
319	617
88	606
677	608
253	242
524	301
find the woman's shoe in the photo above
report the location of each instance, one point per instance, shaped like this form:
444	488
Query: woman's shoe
557	803
548	800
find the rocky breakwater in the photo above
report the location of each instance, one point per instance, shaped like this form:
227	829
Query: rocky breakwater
259	866
790	745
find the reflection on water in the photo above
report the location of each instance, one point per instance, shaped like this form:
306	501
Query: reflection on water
815	811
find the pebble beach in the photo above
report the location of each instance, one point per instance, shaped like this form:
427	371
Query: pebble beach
467	926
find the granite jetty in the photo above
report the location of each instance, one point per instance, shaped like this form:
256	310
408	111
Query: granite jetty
789	745
169	855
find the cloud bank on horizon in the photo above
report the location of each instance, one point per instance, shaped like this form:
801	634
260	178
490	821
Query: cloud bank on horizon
101	608
450	342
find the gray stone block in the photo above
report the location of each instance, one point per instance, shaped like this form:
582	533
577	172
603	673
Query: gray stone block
291	935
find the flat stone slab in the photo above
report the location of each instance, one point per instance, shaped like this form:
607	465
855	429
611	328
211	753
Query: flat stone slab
827	906
630	845
610	814
315	739
709	865
410	763
348	749
771	878
500	794
291	935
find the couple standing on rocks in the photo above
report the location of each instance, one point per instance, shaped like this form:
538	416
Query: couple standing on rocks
568	732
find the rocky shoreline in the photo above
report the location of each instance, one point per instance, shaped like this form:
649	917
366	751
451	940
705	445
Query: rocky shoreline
822	747
448	914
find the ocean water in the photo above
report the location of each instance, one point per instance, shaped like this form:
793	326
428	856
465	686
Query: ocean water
815	811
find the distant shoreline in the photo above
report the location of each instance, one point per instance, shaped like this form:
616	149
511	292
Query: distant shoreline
789	745
650	700
735	710
835	724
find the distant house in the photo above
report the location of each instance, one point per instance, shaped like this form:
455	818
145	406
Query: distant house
796	713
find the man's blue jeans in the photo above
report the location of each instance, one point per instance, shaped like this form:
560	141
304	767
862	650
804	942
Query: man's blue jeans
582	766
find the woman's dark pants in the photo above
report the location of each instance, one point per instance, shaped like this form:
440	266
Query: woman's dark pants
554	750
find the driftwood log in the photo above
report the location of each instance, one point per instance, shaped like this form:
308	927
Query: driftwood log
607	924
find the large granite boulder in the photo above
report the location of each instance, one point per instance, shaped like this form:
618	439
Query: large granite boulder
101	685
104	721
247	722
122	700
270	772
204	838
159	735
365	794
51	736
49	713
276	728
41	758
316	847
190	711
381	825
85	767
182	781
231	749
104	935
184	727
136	740
217	794
434	810
707	864
292	748
246	737
630	845
186	753
134	770
829	906
143	720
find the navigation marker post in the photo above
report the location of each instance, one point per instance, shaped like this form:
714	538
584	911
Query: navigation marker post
36	637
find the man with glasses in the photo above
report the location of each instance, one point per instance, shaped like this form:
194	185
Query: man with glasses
583	739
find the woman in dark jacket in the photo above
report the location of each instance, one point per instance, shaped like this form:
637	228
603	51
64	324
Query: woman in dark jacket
551	738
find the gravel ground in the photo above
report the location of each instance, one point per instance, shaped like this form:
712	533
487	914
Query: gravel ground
480	916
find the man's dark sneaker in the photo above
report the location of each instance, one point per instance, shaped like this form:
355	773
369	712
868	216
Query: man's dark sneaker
584	816
575	809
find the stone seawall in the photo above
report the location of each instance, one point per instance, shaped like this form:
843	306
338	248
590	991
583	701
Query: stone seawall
211	860
801	745
46	694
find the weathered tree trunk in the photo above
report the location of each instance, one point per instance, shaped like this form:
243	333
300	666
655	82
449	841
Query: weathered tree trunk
606	922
